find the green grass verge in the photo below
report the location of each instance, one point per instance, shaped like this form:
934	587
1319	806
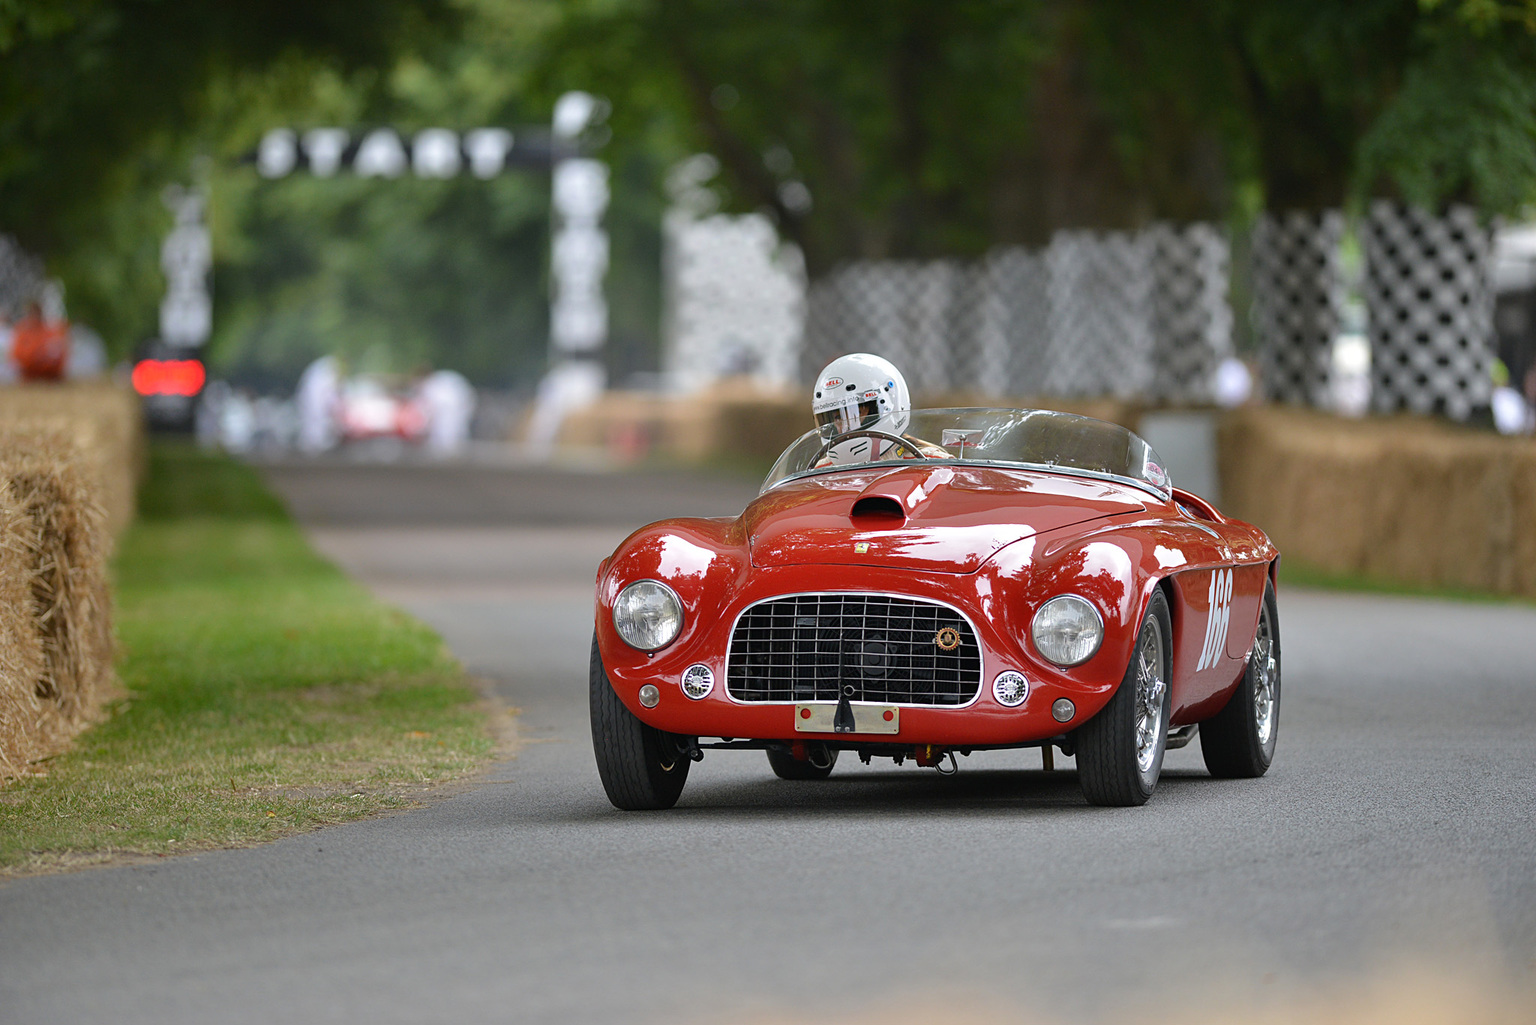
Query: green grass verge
266	692
1299	574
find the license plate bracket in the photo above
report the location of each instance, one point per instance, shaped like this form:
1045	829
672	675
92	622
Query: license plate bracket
868	717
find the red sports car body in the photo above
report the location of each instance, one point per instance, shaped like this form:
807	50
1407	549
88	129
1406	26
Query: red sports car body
904	608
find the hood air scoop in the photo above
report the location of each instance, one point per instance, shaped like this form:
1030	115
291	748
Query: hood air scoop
879	507
922	517
893	499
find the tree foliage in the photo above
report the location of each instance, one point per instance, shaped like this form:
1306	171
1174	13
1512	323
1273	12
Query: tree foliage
864	128
396	273
103	101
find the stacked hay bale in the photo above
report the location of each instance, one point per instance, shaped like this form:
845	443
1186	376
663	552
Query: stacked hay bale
1405	499
59	467
103	419
24	726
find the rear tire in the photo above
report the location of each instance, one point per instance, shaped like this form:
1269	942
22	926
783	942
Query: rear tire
641	767
1239	741
1120	750
787	766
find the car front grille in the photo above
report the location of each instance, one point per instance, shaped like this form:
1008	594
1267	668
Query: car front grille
809	647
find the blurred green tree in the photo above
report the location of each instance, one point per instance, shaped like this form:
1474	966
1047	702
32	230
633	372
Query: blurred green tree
865	128
921	129
396	274
102	101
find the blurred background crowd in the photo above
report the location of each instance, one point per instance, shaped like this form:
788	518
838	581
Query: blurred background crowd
413	225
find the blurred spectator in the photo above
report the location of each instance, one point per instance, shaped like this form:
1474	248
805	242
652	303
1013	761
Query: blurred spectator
449	401
1511	413
274	424
210	413
87	353
40	347
237	422
1234	382
7	365
1349	374
317	398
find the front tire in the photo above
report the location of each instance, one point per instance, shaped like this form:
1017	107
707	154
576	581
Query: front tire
1120	750
1239	741
787	766
641	767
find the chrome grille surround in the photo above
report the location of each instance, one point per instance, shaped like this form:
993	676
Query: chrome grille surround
806	647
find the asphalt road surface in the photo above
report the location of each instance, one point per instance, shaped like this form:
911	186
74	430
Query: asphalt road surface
1396	823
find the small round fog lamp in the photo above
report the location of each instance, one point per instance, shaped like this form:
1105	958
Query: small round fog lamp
649	695
698	681
1010	689
1063	710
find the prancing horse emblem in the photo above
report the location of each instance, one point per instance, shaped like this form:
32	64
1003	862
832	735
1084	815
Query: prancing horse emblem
860	547
948	639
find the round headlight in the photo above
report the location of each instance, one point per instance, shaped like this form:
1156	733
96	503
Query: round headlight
647	615
1067	630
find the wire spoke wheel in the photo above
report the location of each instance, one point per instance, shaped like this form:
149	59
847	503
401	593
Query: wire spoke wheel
1239	741
1265	680
1151	691
1120	750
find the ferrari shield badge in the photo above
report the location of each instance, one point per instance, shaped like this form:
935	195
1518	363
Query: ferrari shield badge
860	547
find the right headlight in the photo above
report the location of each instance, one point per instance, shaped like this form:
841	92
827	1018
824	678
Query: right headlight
1067	630
648	615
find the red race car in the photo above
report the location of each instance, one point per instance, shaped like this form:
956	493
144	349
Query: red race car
996	578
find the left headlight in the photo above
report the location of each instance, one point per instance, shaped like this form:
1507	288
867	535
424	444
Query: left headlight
647	615
1067	630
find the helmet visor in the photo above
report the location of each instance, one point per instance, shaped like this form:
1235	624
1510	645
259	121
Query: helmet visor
848	417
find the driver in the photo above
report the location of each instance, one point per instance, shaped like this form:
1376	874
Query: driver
861	391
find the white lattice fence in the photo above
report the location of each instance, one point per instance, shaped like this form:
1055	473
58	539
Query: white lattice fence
1093	313
733	300
1298	302
1098	290
1191	317
901	310
1429	304
1017	278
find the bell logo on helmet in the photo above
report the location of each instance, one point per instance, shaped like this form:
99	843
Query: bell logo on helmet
832	382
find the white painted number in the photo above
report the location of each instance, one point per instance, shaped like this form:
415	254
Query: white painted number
1216	623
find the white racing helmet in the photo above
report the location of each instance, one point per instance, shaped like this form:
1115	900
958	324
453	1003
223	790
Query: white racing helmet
860	391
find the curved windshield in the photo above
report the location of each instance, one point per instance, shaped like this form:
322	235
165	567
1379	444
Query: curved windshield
1035	439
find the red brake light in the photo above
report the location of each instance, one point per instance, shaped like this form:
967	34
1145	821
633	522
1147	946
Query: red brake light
169	377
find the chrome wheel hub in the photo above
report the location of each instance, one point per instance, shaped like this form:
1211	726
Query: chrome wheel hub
1151	691
1265	679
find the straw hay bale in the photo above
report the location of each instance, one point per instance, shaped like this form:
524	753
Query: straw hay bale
53	568
22	720
106	422
1405	499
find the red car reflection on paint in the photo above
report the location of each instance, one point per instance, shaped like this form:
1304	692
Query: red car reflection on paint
1044	586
